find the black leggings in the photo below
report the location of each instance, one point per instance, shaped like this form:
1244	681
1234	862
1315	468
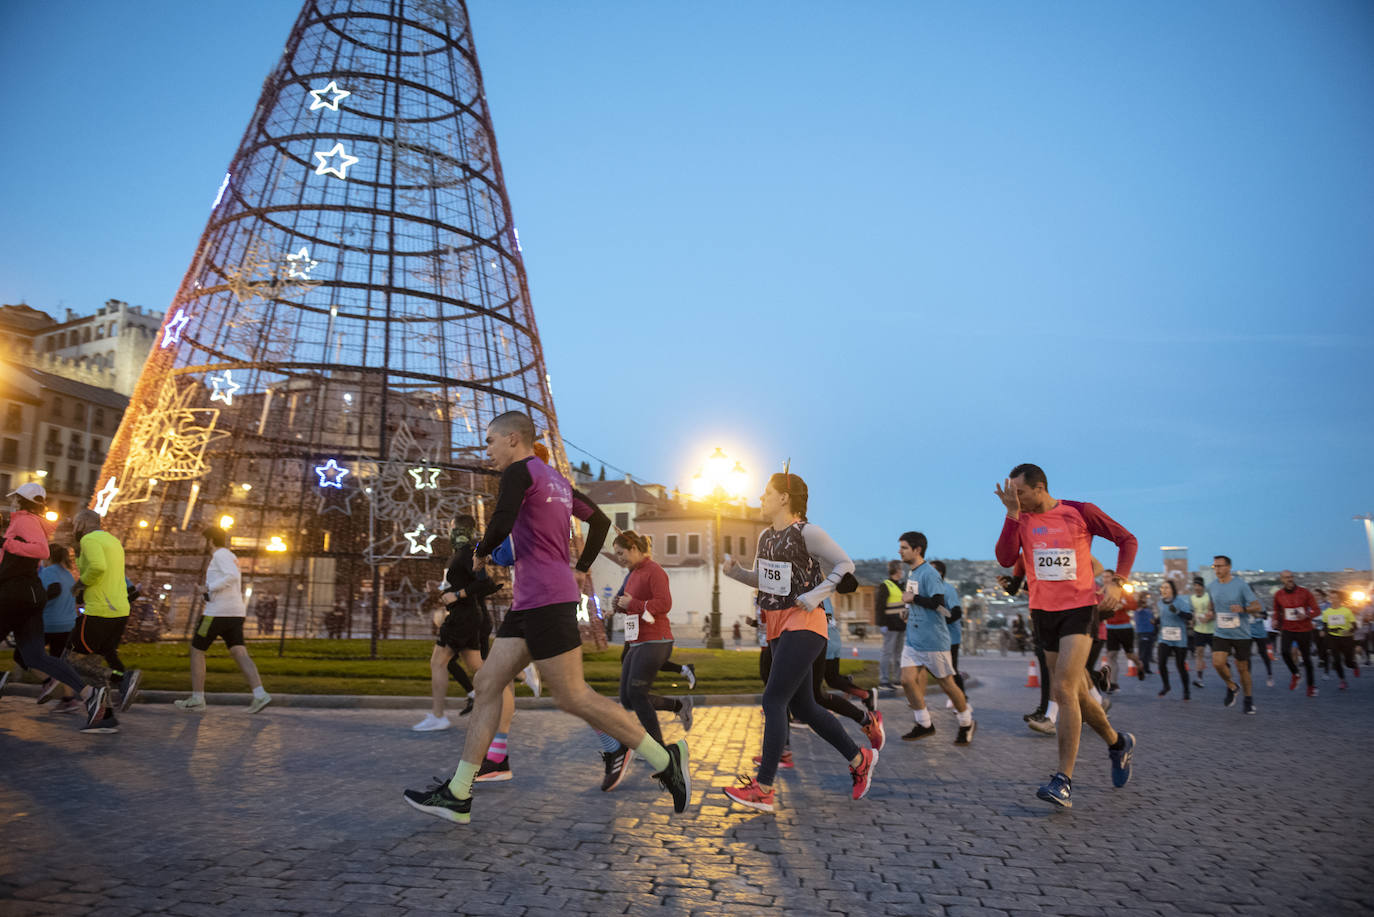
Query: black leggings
1342	648
25	619
637	673
1044	677
1262	647
835	703
789	687
954	660
843	683
1303	638
1180	656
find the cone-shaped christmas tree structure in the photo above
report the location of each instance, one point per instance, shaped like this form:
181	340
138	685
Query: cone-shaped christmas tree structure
355	314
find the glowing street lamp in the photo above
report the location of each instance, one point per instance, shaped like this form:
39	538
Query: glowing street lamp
719	481
226	522
275	545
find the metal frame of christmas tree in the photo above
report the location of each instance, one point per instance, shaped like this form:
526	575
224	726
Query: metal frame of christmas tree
355	314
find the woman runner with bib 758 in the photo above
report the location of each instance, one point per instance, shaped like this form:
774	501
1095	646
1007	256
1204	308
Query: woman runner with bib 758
797	566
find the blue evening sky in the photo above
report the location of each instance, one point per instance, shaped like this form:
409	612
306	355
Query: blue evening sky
907	245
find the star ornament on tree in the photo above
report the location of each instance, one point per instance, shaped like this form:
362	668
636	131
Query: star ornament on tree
106	496
299	265
326	159
420	475
172	333
336	95
420	535
225	387
331	474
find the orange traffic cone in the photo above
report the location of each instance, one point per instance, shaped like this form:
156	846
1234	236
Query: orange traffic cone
1131	670
856	652
1032	676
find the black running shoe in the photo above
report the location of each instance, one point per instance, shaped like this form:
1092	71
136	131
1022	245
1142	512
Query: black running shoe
919	732
965	736
617	766
440	802
677	780
129	688
491	772
871	699
1230	700
107	723
1103	679
1037	713
472	700
50	687
94	704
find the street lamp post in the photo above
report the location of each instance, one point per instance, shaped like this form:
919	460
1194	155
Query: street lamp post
1368	521
717	483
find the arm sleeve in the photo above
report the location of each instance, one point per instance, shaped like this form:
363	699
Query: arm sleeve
599	525
831	557
1009	542
1104	526
94	556
956	613
660	598
515	480
749	576
931	602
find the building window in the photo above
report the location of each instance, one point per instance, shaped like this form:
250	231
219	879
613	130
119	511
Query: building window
100	418
57	407
727	544
693	545
14	418
669	541
622	521
9	451
79	412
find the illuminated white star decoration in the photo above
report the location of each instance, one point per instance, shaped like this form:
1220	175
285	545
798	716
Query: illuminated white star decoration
299	265
172	333
105	497
331	474
419	535
420	473
337	95
341	170
225	387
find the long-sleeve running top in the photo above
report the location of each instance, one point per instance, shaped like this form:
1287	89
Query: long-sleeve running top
534	507
1058	547
225	585
647	589
26	543
1294	611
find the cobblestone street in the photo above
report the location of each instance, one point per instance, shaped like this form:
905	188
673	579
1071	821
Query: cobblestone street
299	811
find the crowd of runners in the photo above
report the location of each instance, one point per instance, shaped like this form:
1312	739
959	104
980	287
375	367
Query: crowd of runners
1083	616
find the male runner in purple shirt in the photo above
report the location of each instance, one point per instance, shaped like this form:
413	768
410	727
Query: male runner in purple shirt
535	506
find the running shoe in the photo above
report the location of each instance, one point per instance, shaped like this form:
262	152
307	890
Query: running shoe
1356	670
1269	682
919	732
1103	679
1344	686
472	701
1230	699
532	679
69	705
689	671
750	793
94	704
257	703
863	774
1197	683
1037	712
685	713
784	762
1042	724
965	736
871	699
1121	759
677	780
107	723
1249	706
1140	673
1312	691
873	729
1115	689
491	772
617	766
1293	682
4	680
1162	692
440	802
432	723
1106	704
1058	791
190	703
129	688
46	693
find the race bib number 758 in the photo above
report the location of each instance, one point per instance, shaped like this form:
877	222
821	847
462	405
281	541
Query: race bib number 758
775	577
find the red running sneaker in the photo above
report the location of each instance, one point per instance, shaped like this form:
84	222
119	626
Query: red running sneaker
784	761
1312	691
874	730
863	774
1293	683
750	793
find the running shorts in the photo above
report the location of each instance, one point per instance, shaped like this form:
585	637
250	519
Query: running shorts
212	627
465	628
1051	625
940	664
548	631
1121	638
97	636
1196	639
1238	648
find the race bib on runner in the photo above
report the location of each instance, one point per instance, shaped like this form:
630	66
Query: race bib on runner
1294	614
631	628
775	577
1227	620
1056	564
913	585
1172	633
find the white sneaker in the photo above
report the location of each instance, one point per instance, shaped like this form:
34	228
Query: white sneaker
949	704
1269	682
432	723
532	678
190	703
257	703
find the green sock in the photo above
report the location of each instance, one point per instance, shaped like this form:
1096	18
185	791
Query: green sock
461	784
654	753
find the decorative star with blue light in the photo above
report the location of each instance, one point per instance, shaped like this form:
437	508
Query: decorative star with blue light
172	333
225	387
331	474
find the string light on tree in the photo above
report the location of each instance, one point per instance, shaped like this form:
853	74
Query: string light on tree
326	158
105	497
331	474
419	474
172	333
225	387
420	534
299	265
336	94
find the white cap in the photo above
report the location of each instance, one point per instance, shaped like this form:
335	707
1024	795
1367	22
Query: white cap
31	491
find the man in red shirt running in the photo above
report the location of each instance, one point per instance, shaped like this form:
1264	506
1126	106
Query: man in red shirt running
1055	539
1294	610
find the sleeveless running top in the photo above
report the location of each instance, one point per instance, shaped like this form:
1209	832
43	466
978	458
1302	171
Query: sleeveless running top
786	568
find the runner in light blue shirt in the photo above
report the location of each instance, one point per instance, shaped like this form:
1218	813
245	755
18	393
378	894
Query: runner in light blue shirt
1233	601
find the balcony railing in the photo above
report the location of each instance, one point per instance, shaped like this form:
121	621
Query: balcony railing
76	452
52	448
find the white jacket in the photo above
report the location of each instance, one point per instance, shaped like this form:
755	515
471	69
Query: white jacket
225	586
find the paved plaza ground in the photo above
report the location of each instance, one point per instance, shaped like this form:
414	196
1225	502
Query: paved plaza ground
299	811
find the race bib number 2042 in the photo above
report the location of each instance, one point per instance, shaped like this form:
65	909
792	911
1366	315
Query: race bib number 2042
1056	564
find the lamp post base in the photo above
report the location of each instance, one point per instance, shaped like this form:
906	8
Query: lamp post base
714	642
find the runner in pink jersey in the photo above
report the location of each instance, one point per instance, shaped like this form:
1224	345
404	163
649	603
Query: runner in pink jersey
1055	539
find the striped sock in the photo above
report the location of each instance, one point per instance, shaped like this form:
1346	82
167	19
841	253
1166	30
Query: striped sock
497	751
609	745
